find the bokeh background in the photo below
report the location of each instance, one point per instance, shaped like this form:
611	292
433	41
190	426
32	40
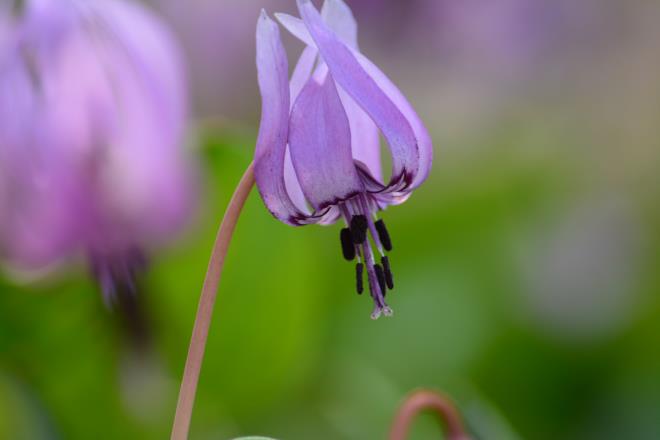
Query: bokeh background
527	267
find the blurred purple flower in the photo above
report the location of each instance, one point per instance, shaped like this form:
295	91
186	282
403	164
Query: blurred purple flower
324	150
92	118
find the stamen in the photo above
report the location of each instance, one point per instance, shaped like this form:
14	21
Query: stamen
359	269
389	280
358	213
384	235
359	228
380	276
347	246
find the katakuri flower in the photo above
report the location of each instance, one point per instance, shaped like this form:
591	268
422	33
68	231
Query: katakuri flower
317	156
92	117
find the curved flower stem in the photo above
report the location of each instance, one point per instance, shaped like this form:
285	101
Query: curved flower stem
423	400
205	309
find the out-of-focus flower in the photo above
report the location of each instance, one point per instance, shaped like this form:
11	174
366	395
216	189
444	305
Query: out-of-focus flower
92	117
324	150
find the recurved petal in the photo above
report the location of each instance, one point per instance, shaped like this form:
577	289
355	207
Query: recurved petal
424	142
272	69
330	217
320	143
336	14
359	84
339	18
296	27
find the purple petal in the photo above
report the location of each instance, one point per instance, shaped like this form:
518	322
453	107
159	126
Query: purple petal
365	138
302	71
141	189
339	18
424	142
364	133
336	14
358	83
273	70
320	142
293	186
157	56
296	27
330	217
301	74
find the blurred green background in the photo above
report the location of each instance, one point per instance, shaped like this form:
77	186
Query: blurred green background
527	281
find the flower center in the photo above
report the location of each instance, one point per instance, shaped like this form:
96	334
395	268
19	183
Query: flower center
365	230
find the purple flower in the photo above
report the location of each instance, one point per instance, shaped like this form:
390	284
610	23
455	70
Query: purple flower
318	153
92	116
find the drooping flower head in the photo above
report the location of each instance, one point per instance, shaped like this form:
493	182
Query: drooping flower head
92	117
318	157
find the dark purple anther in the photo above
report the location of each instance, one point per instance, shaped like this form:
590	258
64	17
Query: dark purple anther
347	246
359	269
380	275
383	235
359	228
389	280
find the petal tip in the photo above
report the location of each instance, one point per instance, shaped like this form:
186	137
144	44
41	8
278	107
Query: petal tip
266	26
339	3
281	16
304	3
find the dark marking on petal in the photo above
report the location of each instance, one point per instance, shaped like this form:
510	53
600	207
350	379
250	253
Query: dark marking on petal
359	269
347	246
380	275
383	235
389	280
359	228
324	207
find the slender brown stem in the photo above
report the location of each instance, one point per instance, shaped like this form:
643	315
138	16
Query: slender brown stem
423	400
200	332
